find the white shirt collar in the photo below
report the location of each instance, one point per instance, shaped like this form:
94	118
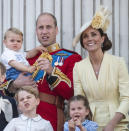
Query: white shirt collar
37	118
7	49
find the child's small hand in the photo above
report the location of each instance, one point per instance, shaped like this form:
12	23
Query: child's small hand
71	125
31	69
78	123
41	48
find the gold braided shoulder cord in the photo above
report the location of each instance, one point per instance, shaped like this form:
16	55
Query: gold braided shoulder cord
43	55
4	84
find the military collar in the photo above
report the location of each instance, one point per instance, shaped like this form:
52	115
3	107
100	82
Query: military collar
53	47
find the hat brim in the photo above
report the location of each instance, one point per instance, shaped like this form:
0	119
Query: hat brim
77	37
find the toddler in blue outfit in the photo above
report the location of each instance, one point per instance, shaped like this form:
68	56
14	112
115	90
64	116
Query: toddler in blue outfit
14	59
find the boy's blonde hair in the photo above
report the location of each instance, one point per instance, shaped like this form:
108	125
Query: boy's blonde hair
29	89
2	69
13	30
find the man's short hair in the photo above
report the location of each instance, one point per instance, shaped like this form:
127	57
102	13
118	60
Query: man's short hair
49	14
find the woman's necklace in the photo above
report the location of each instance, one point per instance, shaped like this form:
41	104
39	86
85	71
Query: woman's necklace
97	68
96	72
96	65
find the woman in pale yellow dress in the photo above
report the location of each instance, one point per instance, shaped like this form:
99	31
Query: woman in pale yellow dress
102	77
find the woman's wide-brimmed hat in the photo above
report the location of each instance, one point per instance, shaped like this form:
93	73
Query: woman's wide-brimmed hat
99	21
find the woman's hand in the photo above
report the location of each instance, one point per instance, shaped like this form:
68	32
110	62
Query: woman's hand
115	120
109	127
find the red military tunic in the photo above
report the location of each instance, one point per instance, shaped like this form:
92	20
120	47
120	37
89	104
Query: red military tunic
60	83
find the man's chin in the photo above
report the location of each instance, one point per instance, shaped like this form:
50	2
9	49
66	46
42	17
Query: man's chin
46	44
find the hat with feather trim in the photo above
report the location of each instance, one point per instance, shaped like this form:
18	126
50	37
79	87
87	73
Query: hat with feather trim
99	21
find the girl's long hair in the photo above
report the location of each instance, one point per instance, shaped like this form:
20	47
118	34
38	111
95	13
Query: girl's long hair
86	104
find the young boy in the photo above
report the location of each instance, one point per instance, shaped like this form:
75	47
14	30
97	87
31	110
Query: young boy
13	58
8	108
28	100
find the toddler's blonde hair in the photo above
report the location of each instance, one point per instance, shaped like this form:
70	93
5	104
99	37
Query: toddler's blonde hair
13	30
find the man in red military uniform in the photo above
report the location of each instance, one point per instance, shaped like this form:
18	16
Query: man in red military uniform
57	83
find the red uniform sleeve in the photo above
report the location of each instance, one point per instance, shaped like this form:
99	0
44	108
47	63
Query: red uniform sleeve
62	77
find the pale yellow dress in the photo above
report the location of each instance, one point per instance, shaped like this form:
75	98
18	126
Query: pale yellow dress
107	94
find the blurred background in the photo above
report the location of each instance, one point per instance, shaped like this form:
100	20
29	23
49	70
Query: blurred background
71	15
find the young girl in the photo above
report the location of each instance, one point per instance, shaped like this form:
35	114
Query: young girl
28	100
80	115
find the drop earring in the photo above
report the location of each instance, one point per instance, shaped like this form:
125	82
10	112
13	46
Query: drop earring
102	45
